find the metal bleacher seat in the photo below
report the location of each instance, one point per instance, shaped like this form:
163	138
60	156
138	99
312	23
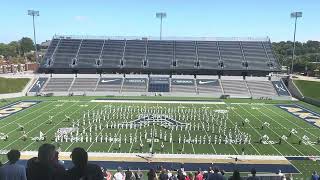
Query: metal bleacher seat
183	85
235	88
109	84
112	53
275	65
84	84
58	85
50	51
255	55
134	85
209	86
261	88
208	54
66	52
231	55
89	53
159	54
185	54
135	53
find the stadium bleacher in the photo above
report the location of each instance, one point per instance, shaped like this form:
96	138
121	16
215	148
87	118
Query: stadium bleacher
233	57
58	85
177	85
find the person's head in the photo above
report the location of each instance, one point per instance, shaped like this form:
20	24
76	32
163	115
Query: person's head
13	156
79	157
216	169
209	169
119	169
152	173
236	174
253	172
222	172
314	173
46	153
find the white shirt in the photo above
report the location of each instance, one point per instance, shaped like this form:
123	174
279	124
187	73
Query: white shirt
118	176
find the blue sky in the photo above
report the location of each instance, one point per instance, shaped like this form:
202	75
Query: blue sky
198	18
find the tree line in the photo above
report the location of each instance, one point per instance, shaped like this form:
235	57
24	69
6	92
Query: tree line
305	53
18	51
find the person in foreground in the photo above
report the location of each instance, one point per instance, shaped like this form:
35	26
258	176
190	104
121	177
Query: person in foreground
45	166
82	170
235	175
11	170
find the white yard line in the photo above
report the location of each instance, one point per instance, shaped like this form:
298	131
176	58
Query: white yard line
86	129
203	125
171	143
113	141
256	132
35	127
55	124
11	122
158	102
271	128
192	143
132	142
234	125
278	114
33	119
287	130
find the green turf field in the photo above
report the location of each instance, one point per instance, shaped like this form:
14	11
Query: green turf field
10	85
36	119
309	88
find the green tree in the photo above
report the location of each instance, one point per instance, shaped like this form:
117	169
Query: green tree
26	45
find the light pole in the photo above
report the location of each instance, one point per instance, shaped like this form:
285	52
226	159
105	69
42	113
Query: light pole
161	15
34	13
294	15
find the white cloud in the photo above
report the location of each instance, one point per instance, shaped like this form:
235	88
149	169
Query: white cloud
81	18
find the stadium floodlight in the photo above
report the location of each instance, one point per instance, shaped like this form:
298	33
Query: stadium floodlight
34	13
294	15
161	15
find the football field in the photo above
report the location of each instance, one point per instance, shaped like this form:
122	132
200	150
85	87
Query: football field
167	127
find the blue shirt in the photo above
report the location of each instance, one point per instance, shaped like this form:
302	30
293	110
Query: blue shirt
12	172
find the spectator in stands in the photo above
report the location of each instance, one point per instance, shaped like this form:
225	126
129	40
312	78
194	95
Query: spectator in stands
216	175
163	175
138	174
189	177
11	170
129	175
253	175
180	175
169	174
199	175
152	175
235	175
107	175
82	169
118	175
44	166
223	174
207	174
314	176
